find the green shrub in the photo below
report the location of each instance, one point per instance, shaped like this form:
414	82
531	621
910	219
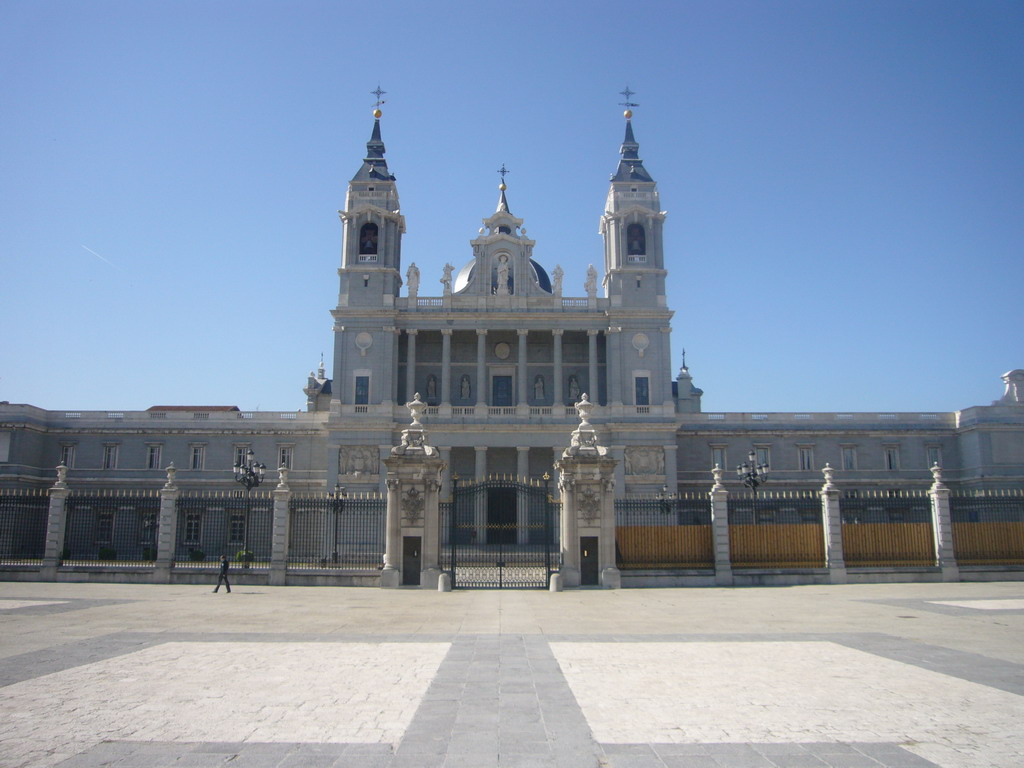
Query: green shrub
244	556
196	555
107	553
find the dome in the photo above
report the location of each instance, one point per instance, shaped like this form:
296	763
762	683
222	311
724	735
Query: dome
465	277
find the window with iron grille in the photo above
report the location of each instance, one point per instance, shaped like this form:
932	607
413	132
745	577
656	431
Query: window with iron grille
236	530
153	456
193	527
147	530
104	527
362	390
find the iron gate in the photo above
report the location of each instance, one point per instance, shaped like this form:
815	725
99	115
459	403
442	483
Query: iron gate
500	534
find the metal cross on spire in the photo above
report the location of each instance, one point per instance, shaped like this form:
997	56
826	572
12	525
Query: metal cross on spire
378	93
627	103
503	171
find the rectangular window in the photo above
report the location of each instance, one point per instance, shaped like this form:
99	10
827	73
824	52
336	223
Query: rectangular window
849	457
362	390
934	456
153	457
718	457
241	454
67	455
284	456
236	532
892	457
198	457
643	390
763	455
193	527
109	457
805	456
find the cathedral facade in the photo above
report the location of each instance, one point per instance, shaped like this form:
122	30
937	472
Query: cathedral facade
500	355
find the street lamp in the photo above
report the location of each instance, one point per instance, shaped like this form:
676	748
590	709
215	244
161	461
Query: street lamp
751	473
249	474
338	505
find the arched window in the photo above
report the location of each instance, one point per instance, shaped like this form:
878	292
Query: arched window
368	238
636	240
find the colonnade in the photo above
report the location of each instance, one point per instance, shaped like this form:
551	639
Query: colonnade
559	393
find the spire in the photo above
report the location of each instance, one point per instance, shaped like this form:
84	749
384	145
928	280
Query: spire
631	167
502	201
375	167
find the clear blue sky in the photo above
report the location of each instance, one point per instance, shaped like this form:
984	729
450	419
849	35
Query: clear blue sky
844	183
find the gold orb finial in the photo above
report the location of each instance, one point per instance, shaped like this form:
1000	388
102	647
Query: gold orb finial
377	113
502	186
628	114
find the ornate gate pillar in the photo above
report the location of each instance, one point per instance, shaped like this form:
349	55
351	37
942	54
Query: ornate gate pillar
413	542
587	485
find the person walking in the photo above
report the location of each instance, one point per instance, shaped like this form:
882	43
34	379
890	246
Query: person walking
225	566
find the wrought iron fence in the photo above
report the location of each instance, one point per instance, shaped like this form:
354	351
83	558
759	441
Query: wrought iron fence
659	532
115	527
23	516
891	528
781	529
229	523
502	533
988	526
337	533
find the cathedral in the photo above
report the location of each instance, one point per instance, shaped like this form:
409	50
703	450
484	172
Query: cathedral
499	358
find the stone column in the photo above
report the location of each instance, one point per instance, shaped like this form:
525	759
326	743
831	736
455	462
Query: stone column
446	367
556	386
446	473
832	520
619	454
522	503
480	510
613	373
56	520
413	480
592	390
279	531
942	527
389	352
481	366
167	529
665	387
410	365
720	530
522	396
587	486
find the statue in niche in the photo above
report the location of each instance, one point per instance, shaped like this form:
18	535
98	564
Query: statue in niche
538	388
574	388
590	286
431	386
556	280
465	387
446	278
413	279
502	287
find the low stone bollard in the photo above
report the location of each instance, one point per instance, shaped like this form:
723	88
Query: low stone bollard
444	583
555	585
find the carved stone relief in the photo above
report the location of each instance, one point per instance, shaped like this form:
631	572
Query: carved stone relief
645	460
359	460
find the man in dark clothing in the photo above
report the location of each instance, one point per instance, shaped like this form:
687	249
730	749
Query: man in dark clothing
223	577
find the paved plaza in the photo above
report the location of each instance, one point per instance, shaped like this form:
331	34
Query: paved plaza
843	676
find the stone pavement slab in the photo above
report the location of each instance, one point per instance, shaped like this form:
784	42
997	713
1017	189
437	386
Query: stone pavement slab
859	675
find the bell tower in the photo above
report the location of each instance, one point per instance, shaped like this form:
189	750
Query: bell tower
372	224
634	259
